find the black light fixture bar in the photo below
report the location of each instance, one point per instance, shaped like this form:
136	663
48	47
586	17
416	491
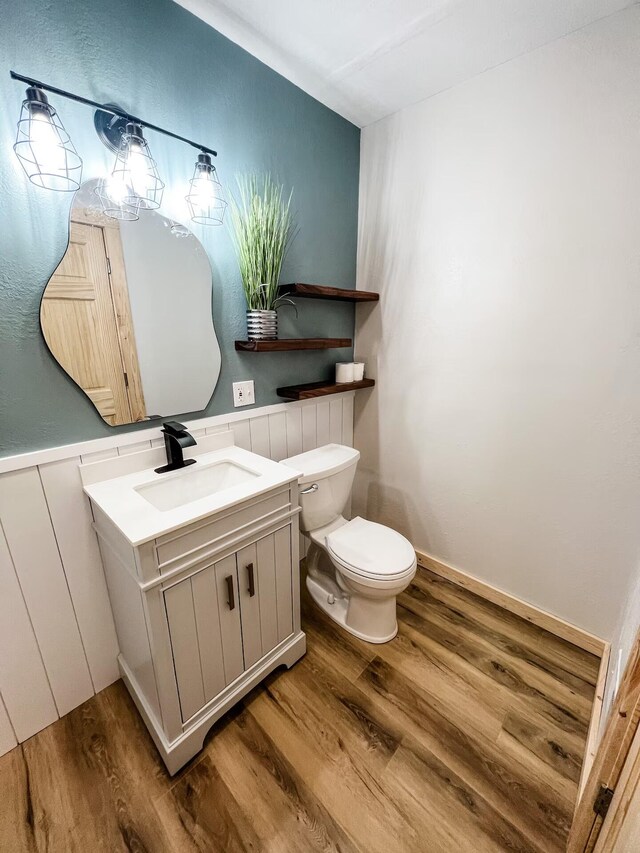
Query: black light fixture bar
109	109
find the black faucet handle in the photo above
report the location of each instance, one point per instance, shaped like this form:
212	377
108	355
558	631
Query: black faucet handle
174	428
176	438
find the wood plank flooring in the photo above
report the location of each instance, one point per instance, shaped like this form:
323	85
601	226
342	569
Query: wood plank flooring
465	733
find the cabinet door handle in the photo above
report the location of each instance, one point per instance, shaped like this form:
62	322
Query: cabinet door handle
231	599
252	580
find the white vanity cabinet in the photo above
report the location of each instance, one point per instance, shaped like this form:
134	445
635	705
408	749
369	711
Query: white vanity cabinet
204	612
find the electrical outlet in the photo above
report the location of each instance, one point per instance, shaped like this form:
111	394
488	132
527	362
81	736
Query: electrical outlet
243	393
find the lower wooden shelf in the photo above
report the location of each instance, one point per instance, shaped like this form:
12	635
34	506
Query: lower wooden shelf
321	291
321	389
287	344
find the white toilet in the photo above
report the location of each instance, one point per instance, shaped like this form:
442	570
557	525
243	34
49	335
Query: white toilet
355	569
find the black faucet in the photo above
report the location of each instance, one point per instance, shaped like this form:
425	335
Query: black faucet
176	438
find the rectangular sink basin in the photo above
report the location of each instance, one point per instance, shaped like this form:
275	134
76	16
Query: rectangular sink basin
193	483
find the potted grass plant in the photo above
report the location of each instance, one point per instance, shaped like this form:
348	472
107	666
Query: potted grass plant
262	230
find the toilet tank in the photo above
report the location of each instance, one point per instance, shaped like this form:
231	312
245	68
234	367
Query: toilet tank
331	468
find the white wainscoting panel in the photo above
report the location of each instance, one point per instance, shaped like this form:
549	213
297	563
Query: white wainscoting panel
260	440
335	421
293	418
32	543
57	638
309	428
25	687
278	436
137	447
242	434
347	421
71	516
323	431
99	455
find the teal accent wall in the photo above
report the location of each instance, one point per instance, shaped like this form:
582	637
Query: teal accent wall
158	61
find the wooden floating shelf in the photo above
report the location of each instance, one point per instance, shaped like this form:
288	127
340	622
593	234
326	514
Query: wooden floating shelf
287	344
320	291
321	389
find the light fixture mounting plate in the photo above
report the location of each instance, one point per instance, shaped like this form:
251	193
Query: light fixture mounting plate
110	127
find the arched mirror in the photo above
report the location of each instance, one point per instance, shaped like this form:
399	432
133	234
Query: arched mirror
127	314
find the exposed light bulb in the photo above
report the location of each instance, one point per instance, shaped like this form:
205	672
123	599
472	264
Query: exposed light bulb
45	142
43	146
205	198
136	169
202	189
113	192
117	189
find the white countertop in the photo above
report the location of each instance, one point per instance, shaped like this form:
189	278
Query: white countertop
140	521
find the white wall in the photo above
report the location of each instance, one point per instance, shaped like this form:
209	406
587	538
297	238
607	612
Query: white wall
501	222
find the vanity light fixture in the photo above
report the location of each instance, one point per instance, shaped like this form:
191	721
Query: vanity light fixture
205	198
44	147
51	161
135	174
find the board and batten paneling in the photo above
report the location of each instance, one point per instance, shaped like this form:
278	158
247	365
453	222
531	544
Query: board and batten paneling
26	693
71	518
28	530
58	642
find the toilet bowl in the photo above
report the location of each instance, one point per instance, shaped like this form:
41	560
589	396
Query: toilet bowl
355	569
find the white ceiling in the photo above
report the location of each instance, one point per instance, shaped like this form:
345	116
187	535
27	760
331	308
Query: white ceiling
368	58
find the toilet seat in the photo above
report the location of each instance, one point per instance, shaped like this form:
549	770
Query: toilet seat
371	552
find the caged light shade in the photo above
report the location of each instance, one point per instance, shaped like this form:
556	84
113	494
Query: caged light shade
205	198
112	193
44	147
135	179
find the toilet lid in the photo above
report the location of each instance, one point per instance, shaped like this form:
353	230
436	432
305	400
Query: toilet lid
371	550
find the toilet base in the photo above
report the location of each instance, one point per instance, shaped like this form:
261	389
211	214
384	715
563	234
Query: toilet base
338	611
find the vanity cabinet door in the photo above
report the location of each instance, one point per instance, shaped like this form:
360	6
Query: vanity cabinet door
229	618
203	614
266	602
284	569
249	585
181	617
206	606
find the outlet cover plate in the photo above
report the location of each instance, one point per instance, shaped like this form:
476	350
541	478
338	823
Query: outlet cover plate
243	393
